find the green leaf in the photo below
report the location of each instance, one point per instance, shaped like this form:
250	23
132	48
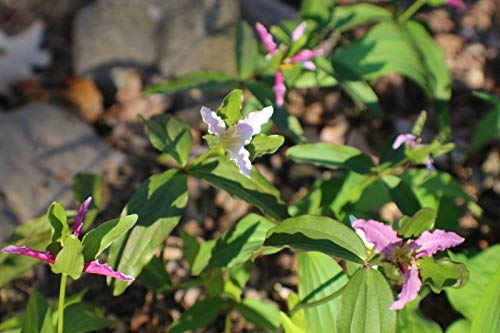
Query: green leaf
259	313
236	245
317	10
70	259
225	175
88	185
230	108
419	124
203	257
84	317
318	233
59	226
247	50
364	306
402	194
412	227
441	273
319	276
460	326
155	276
37	318
487	130
487	316
200	315
100	238
288	325
331	156
205	80
159	203
482	268
170	135
349	17
411	320
264	144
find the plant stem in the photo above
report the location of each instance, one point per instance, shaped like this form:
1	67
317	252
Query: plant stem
60	310
227	324
411	10
320	301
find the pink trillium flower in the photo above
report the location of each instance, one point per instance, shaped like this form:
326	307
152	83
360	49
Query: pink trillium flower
234	138
457	3
93	267
406	253
279	88
402	139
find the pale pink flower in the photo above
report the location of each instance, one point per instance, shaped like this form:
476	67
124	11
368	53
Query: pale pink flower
299	31
406	138
266	38
279	88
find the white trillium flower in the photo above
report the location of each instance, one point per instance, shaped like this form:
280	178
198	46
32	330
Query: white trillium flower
234	138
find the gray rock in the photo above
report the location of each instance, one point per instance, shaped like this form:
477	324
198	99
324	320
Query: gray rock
107	33
267	12
198	34
41	148
8	220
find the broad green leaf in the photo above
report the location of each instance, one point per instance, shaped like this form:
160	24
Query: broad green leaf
317	10
170	135
487	130
264	144
331	156
191	247
155	277
230	108
224	174
236	245
412	227
205	80
441	273
88	185
411	320
298	317
402	194
59	226
260	313
298	78
247	50
288	325
487	316
364	306
84	317
159	203
203	257
200	315
100	238
460	326
349	17
70	259
482	268
318	233
319	276
37	318
34	234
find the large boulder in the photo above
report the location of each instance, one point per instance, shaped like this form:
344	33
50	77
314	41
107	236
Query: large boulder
41	148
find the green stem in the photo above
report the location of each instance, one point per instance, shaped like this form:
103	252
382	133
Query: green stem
227	324
200	159
60	310
320	301
411	10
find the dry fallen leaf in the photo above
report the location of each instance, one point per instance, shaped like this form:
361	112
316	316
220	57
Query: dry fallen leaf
19	53
85	96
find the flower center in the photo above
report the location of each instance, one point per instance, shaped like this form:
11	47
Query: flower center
231	138
404	255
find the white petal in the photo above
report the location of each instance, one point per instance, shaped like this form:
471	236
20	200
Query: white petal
215	123
256	119
241	157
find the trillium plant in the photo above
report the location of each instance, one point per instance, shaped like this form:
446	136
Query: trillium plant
366	235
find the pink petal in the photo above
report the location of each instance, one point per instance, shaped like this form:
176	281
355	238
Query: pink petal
429	164
26	251
215	123
252	124
411	287
431	242
404	138
305	55
279	88
80	216
383	236
95	267
309	65
457	3
299	31
242	159
266	38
